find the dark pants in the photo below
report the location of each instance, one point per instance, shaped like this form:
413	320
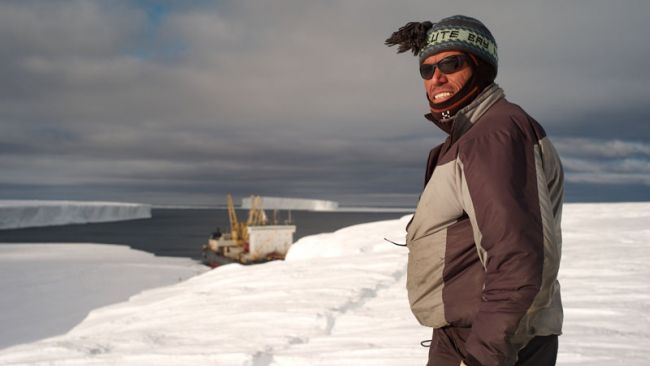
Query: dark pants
448	349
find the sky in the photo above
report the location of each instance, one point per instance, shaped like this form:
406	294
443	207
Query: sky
169	102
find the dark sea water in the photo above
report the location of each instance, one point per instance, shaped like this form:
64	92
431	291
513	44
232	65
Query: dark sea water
180	232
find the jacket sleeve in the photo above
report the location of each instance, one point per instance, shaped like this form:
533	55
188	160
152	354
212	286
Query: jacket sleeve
499	190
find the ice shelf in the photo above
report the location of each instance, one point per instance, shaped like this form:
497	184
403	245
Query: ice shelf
283	203
16	214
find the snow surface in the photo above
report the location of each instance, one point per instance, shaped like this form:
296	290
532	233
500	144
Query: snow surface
49	288
20	214
340	299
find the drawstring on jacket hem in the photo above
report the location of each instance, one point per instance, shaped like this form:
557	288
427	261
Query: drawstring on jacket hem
392	242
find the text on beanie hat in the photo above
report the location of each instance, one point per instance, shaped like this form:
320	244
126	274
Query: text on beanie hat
461	33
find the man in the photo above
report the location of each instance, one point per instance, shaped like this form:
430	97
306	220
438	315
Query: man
484	242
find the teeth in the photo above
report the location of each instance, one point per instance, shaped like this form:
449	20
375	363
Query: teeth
442	95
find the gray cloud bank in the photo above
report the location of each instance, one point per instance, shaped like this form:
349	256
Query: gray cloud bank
167	103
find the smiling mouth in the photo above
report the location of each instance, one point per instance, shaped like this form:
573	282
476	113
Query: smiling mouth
442	96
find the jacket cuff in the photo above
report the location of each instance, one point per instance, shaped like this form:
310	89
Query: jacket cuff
471	361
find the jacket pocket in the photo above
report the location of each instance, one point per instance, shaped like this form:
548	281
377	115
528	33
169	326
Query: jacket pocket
424	281
463	275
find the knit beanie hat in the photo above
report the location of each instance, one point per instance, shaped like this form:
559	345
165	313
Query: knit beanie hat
461	33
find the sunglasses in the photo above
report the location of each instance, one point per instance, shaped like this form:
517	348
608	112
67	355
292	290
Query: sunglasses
447	65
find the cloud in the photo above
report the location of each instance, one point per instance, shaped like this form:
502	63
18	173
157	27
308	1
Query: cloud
609	178
605	161
291	98
597	148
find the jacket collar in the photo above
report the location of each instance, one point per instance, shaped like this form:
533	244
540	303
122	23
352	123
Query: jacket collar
457	125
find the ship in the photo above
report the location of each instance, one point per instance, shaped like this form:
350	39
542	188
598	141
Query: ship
257	240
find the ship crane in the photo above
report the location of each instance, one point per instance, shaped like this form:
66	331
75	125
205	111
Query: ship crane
256	214
235	228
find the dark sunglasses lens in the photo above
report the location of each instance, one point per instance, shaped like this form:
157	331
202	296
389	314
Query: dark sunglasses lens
447	65
450	64
427	70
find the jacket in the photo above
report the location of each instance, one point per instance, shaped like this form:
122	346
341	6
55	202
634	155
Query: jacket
485	240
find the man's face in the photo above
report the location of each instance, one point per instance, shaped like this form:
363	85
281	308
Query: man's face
442	86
